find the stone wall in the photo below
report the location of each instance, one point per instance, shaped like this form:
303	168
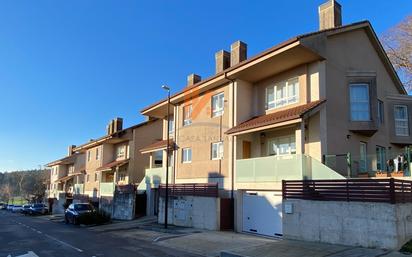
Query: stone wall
106	204
124	205
380	225
192	211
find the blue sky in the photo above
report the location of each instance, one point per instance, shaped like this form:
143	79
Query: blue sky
68	67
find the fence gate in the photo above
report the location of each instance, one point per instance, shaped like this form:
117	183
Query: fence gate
226	214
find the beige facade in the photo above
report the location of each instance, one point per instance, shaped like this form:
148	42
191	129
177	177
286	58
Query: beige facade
320	66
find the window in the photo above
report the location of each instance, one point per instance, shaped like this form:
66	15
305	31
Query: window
87	178
95	177
122	177
282	93
97	154
158	158
401	120
121	151
187	155
217	151
380	112
218	104
380	158
359	102
362	157
171	125
88	155
282	145
187	115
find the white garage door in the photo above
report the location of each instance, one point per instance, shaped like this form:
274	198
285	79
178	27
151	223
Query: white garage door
262	213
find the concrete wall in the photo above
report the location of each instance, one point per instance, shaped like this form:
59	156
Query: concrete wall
379	225
192	211
124	206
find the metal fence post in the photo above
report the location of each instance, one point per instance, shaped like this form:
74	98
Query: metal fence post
392	190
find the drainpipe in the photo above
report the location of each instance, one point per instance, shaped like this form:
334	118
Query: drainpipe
233	143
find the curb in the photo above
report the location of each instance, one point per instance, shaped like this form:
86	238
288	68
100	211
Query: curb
230	254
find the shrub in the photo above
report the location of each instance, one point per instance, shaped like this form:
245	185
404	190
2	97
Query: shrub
94	218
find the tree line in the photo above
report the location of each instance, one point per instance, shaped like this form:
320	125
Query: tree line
27	184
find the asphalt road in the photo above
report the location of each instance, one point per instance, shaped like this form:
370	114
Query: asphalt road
37	236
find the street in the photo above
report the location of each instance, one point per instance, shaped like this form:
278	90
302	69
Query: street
37	236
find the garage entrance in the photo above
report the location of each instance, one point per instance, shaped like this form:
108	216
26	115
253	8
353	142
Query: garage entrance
262	213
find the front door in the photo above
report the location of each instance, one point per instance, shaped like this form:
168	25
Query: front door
246	149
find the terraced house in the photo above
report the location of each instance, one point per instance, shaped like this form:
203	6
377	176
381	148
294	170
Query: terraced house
322	105
113	168
66	180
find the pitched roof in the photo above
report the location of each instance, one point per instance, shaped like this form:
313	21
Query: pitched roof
276	117
157	146
355	25
110	165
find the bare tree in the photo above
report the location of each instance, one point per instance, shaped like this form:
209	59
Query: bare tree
397	42
5	193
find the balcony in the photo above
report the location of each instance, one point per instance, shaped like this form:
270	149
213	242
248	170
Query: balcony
154	177
274	169
78	189
106	188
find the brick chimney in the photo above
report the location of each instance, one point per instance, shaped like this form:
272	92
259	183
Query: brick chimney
238	52
117	124
222	61
330	15
70	150
193	79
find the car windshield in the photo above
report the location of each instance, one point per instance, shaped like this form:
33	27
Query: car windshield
26	206
83	207
17	205
38	205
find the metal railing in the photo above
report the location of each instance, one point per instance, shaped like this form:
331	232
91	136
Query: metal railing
191	189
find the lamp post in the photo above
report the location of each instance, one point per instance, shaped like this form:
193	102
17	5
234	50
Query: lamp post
167	154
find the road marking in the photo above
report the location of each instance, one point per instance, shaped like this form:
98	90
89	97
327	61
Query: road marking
28	254
63	243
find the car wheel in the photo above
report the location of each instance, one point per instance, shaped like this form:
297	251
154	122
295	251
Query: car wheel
75	221
66	220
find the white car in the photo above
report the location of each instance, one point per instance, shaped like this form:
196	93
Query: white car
16	208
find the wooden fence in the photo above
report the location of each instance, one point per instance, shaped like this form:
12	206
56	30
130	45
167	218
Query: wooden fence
192	189
351	190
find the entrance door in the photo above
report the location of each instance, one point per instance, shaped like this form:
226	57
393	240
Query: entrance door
262	213
246	149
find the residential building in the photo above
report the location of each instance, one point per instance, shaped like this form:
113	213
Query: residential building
113	162
322	105
66	180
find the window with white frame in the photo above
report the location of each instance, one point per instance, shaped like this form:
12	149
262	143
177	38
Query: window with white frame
217	151
363	157
187	115
282	93
218	102
158	158
282	145
359	102
171	125
121	151
380	158
187	155
401	120
97	153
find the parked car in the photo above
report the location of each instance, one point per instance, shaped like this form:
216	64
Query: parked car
25	209
10	207
38	208
76	211
16	208
3	207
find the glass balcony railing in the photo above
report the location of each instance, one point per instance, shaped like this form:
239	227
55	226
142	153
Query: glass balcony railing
106	188
284	167
155	177
78	189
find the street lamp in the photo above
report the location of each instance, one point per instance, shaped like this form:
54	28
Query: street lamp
167	154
